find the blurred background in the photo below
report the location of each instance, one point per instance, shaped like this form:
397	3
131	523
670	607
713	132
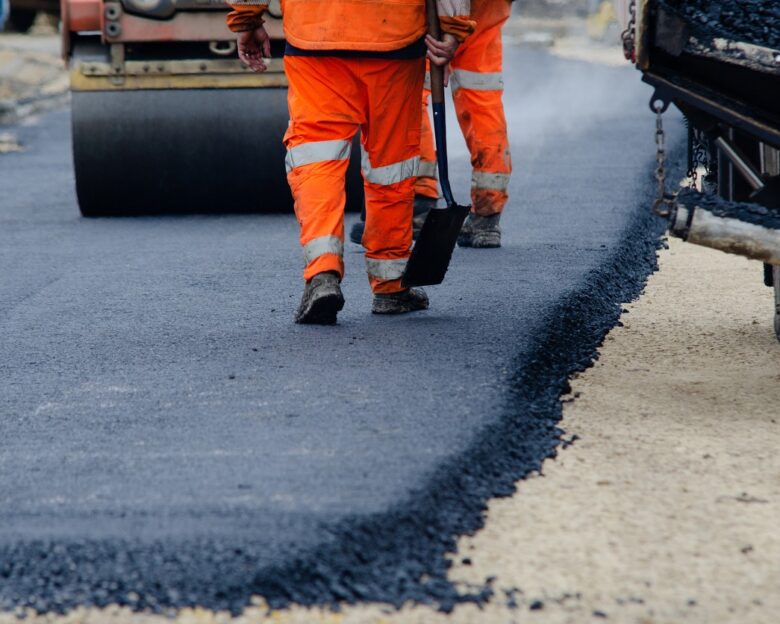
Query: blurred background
32	74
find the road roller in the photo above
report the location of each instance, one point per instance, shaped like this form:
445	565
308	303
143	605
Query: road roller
719	64
166	119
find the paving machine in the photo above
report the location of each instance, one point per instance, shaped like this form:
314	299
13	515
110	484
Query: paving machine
165	118
719	63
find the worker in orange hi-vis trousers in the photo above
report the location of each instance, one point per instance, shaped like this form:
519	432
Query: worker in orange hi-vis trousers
477	88
353	66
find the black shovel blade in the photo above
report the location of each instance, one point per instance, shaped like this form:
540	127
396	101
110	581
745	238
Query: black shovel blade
433	250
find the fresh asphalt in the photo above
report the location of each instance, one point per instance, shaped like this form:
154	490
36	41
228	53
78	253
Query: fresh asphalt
168	436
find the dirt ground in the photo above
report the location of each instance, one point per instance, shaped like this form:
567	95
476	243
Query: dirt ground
665	508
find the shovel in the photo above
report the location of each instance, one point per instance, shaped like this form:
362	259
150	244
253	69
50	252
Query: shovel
433	250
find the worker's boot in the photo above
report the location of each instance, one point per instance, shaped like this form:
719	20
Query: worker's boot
422	205
409	300
321	301
478	231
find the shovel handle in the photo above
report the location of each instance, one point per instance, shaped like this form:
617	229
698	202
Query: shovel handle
437	72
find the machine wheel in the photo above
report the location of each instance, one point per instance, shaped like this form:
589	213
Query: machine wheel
160	151
21	20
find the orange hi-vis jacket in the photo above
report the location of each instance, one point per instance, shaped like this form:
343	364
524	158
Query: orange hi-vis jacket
370	25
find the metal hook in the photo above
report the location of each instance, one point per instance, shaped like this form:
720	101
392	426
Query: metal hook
659	103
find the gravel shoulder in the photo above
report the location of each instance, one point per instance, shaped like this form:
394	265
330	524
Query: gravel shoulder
665	507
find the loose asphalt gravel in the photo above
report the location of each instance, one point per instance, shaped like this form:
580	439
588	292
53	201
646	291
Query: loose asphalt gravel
169	437
751	21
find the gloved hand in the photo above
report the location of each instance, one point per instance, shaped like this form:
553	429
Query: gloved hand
253	46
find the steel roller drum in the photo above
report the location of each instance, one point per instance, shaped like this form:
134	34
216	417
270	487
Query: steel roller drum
185	150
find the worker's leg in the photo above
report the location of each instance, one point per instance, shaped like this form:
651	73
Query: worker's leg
391	157
477	87
426	190
325	111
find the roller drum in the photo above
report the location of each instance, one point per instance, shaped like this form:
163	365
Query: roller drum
185	150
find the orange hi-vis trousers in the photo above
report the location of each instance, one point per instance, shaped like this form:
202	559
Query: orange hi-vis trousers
477	88
330	98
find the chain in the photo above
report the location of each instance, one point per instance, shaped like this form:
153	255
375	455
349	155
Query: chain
628	36
691	174
697	157
664	201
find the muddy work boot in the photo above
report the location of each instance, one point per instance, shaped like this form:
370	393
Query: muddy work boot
322	300
482	232
402	302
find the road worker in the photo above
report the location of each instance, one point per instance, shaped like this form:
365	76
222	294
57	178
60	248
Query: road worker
353	66
477	87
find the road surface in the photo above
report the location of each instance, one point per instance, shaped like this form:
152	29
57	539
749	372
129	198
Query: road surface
169	437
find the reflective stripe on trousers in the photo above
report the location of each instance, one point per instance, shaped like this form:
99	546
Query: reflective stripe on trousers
428	169
490	181
476	81
317	151
385	269
389	174
320	246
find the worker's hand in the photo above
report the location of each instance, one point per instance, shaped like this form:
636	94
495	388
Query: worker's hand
441	52
253	46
